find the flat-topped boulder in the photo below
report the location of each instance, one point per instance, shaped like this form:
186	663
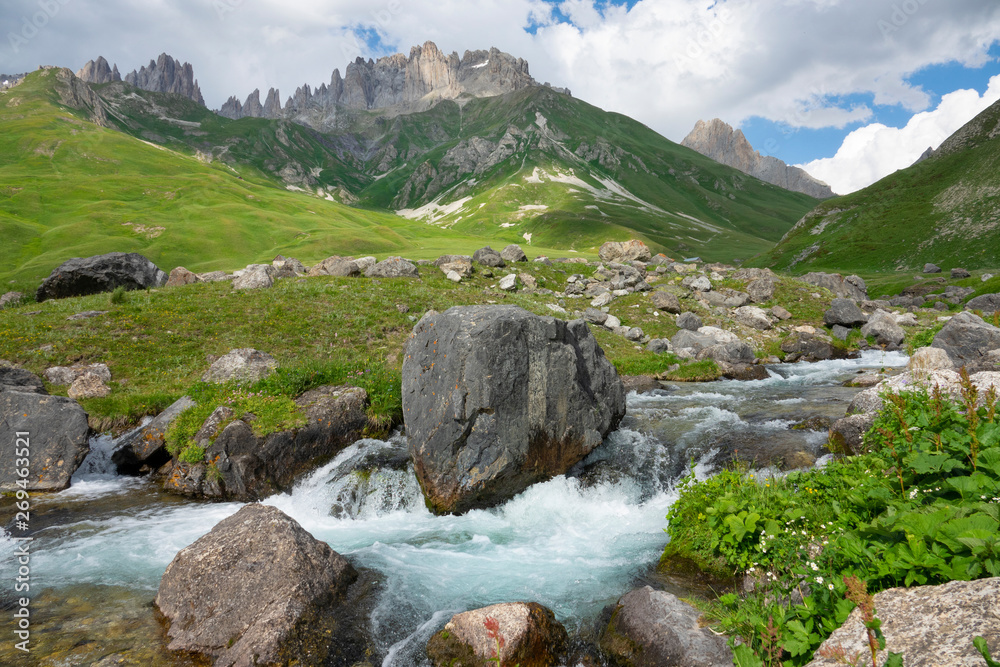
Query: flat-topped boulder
496	399
101	273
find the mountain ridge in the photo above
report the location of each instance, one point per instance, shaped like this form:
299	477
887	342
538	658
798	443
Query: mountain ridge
717	140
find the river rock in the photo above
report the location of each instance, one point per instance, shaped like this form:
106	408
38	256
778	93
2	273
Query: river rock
532	637
987	303
851	287
883	327
256	590
181	276
753	317
242	365
146	446
513	253
665	301
496	399
488	257
101	273
392	267
655	629
258	276
761	289
251	467
88	385
13	378
341	267
807	347
844	312
66	375
847	434
689	321
615	251
57	438
930	626
968	340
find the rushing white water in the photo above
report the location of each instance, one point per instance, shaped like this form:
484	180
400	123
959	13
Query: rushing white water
573	544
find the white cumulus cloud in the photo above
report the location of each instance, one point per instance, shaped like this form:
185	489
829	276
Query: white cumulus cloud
875	151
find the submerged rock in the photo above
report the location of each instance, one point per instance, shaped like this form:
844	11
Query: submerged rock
532	637
496	399
256	590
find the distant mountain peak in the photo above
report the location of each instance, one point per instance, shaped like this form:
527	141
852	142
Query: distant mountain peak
717	140
98	71
406	83
163	75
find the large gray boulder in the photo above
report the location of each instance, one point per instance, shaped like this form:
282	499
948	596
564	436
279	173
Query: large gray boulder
665	301
256	590
13	378
851	287
393	267
844	312
689	321
341	267
56	431
883	327
488	257
968	340
513	253
255	276
987	303
655	629
101	273
754	317
761	289
532	637
496	399
146	446
930	626
251	467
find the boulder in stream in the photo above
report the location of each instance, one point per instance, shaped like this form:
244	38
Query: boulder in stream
496	399
532	637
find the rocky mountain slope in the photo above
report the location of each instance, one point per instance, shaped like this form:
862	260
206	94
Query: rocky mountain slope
717	140
397	82
164	75
944	210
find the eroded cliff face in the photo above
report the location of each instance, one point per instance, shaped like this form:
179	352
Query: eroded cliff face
167	75
99	71
407	83
717	140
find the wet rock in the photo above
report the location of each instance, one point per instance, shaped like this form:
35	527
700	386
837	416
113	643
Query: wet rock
665	301
807	347
968	340
532	637
147	445
614	251
243	365
496	399
864	380
797	460
987	303
844	312
655	629
851	287
257	589
181	276
883	327
847	434
57	433
513	253
640	384
761	289
392	267
101	273
251	467
488	257
928	625
689	321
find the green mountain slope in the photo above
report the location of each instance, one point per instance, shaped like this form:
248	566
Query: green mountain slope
534	164
71	188
945	210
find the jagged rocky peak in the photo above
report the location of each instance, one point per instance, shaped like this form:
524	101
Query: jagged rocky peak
99	71
167	75
718	140
399	81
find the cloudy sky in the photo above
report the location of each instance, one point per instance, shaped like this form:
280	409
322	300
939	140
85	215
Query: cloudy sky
850	89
